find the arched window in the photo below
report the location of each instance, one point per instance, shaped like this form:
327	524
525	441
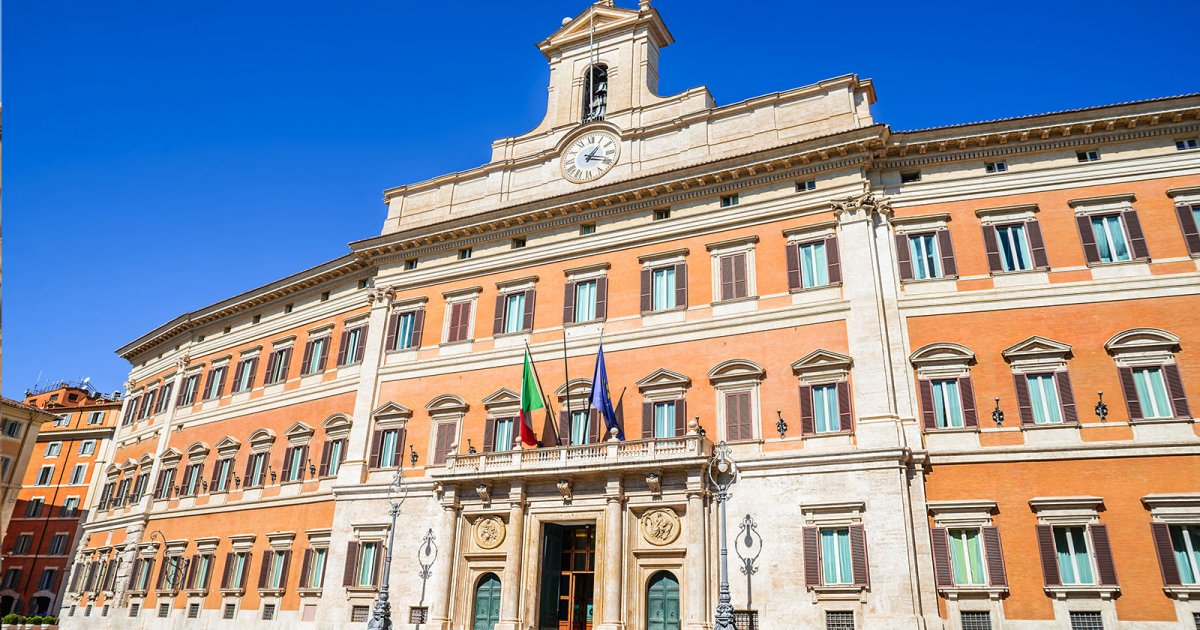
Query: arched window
487	602
595	92
662	602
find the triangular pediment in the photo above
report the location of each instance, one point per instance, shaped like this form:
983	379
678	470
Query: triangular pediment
299	430
502	396
604	17
391	409
227	443
1036	346
820	359
663	377
171	454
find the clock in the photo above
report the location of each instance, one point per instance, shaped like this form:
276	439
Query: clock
590	156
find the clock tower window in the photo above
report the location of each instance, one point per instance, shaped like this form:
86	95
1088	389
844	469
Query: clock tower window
595	93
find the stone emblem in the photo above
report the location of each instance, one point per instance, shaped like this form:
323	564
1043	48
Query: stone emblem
489	532
660	526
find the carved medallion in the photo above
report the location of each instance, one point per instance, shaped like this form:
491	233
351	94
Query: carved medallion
489	532
660	526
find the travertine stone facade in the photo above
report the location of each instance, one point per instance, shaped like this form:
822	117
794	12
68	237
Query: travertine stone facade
845	305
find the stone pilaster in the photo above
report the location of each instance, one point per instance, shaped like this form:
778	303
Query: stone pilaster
447	533
695	604
611	612
510	594
354	469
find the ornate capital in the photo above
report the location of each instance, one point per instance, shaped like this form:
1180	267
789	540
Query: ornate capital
866	203
183	361
383	295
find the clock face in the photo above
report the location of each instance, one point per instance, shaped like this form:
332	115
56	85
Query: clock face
589	156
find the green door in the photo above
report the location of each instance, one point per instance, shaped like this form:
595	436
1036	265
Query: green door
487	603
662	602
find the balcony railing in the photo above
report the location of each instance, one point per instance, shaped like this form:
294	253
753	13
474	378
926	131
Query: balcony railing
659	450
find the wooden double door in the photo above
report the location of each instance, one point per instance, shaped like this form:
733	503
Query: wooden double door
568	578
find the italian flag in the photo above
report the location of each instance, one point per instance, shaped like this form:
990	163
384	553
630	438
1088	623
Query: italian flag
531	400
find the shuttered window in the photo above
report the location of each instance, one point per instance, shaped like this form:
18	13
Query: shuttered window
353	346
1074	557
332	454
1043	399
256	470
404	331
314	568
825	409
215	385
1189	220
514	312
814	267
503	440
664	419
1112	245
222	471
1013	247
836	558
243	376
947	404
924	255
663	288
966	555
1185	547
458	328
443	441
315	354
581	428
368	556
277	365
585	301
387	448
1152	392
733	276
739	412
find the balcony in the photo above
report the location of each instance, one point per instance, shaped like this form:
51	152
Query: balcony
654	453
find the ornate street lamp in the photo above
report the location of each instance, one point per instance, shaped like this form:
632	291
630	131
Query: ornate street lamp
723	473
381	616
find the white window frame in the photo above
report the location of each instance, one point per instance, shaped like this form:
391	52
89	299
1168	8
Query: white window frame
451	298
720	249
735	376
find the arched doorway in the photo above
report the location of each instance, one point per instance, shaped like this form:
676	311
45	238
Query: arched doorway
487	602
662	602
9	604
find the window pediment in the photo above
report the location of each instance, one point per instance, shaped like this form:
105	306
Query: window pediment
1067	510
1037	353
447	404
146	460
942	359
736	370
822	366
662	379
1174	508
262	440
391	414
197	451
228	447
171	456
299	433
503	401
337	425
1142	341
575	388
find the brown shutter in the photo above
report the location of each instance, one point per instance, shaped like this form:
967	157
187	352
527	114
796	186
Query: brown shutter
992	248
833	259
792	253
237	375
208	383
737	416
351	560
304	566
287	463
376	447
1037	246
444	442
680	417
1137	240
343	341
1066	397
191	574
377	565
1045	537
159	584
728	289
212	561
594	426
807	422
1088	238
1132	404
1174	381
1024	407
418	327
946	249
741	281
569	303
647	303
265	559
530	300
1166	554
858	554
285	360
812	556
216	476
253	367
928	416
564	426
452	329
283	571
966	390
647	420
489	435
903	258
844	417
393	329
228	570
602	297
997	576
498	320
942	573
308	350
1191	233
326	453
681	297
1105	569
360	348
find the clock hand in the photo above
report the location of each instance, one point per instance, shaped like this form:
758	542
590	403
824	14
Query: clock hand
592	155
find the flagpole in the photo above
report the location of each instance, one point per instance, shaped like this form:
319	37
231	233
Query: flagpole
567	377
541	390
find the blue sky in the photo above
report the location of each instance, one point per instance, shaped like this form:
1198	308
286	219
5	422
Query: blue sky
160	156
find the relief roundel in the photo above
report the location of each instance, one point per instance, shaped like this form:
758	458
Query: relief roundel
489	532
660	526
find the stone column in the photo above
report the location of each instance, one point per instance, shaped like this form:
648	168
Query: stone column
695	574
353	470
614	566
439	608
510	588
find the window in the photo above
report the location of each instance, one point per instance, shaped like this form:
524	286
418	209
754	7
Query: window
11	578
44	476
1111	243
664	419
193	611
587	228
202	573
295	459
976	620
806	185
277	365
315	578
1043	398
148	403
947	404
237	574
96	417
12	428
514	312
1087	156
46	581
325	296
276	573
663	288
410	264
585	293
739	415
188	390
33	508
166	479
836	560
995	167
256	470
139	487
827	418
729	200
1185	545
164	400
924	255
662	214
191	480
459	321
316	351
518	243
1189	143
243	376
1086	620
405	329
464	253
386	448
58	545
22	544
1074	557
1152	392
359	614
814	266
5	463
230	611
62	420
332	456
164	610
222	472
354	344
733	280
581	427
268	612
87	447
966	557
364	574
78	474
910	177
215	384
53	449
289	307
505	431
839	620
142	570
1014	249
364	283
134	609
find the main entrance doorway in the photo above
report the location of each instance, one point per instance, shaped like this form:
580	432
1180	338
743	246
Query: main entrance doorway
662	602
568	581
487	603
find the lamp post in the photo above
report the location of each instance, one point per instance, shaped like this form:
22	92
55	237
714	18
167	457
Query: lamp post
723	473
381	616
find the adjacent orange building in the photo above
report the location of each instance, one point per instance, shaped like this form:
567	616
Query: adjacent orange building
955	368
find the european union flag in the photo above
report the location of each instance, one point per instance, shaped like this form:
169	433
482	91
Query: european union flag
601	400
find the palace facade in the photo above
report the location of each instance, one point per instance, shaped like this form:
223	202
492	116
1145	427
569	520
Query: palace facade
903	337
